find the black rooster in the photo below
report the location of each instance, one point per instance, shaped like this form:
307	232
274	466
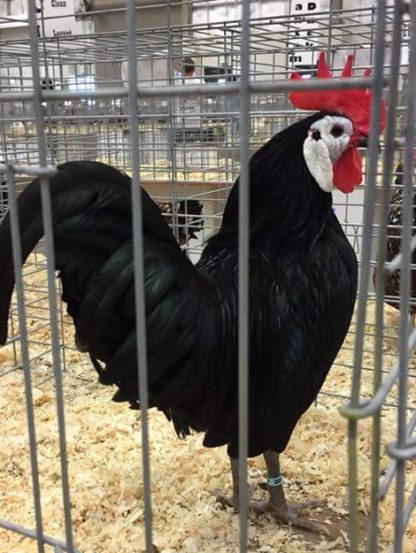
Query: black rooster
189	218
303	279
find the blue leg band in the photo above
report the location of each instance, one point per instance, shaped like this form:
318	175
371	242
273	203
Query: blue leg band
275	481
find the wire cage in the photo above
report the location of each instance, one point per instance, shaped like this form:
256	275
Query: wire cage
119	96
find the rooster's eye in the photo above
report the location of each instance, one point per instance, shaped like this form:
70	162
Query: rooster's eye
337	130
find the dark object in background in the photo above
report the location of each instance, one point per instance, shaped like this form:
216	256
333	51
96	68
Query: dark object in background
188	65
47	84
189	218
215	74
392	285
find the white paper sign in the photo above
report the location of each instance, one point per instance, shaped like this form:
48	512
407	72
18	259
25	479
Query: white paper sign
305	24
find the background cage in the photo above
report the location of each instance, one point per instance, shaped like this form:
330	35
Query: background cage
83	113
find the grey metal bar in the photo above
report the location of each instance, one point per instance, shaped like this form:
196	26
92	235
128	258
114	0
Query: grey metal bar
172	119
391	471
243	274
50	255
407	513
47	171
377	90
32	534
17	264
405	283
157	115
206	89
379	285
139	293
409	508
402	452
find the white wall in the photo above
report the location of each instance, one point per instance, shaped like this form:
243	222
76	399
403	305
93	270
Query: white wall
231	11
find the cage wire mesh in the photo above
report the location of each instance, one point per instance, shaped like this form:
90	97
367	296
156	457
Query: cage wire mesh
66	97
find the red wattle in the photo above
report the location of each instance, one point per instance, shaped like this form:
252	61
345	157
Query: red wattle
347	170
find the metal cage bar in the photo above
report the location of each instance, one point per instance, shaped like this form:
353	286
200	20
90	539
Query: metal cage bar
379	284
17	263
406	236
364	274
139	272
243	274
50	255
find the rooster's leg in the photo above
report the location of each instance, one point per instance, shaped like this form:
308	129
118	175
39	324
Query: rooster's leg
277	504
230	501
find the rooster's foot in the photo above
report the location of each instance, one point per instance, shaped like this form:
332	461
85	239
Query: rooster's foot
289	514
225	500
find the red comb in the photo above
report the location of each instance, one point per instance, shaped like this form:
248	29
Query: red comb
354	103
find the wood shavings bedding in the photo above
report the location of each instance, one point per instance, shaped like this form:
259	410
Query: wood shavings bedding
104	451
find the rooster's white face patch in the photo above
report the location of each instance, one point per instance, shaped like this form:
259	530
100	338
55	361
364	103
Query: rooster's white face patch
327	140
